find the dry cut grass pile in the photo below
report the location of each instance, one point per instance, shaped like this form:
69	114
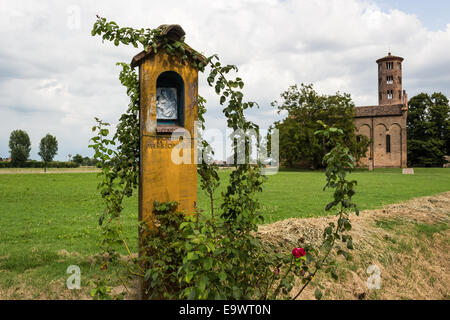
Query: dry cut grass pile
409	242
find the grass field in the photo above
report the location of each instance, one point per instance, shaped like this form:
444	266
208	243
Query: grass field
299	193
43	214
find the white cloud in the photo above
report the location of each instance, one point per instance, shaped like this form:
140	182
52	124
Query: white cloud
55	78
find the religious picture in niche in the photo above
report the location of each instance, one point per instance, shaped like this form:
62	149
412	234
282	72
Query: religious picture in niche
166	103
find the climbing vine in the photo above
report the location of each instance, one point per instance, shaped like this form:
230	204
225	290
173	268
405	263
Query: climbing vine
211	257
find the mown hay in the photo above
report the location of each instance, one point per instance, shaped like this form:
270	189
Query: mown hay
409	242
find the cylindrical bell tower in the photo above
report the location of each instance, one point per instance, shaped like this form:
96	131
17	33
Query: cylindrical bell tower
390	80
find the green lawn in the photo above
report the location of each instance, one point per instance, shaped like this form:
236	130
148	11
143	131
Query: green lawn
299	193
41	214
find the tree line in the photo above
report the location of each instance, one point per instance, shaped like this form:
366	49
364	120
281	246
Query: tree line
428	130
428	127
20	148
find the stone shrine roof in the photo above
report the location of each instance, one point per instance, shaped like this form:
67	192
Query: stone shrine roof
173	32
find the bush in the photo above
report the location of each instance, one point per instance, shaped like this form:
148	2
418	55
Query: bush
197	257
5	164
426	153
40	164
207	259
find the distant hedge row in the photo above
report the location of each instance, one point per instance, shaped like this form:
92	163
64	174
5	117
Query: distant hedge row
40	164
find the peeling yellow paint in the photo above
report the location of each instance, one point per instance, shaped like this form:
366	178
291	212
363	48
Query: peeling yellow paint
160	178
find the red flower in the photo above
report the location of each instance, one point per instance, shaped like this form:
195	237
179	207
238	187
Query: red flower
298	252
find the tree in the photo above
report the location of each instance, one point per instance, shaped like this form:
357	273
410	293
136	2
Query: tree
305	107
20	147
88	161
78	158
439	115
428	125
48	149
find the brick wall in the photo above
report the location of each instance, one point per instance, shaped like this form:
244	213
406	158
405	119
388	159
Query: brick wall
372	123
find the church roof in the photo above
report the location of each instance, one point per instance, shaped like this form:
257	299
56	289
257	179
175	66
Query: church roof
380	111
390	57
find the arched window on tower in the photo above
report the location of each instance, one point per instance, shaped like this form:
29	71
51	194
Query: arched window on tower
390	94
388	143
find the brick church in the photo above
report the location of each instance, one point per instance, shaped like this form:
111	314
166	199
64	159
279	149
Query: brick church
385	124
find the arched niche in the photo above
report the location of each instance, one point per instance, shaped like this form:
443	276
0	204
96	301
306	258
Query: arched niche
364	130
379	136
395	132
169	101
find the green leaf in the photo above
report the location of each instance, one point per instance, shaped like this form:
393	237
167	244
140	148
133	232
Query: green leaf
222	276
350	244
329	206
203	282
334	274
207	263
189	277
192	256
318	294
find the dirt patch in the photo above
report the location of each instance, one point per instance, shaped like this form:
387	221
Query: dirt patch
409	242
54	290
66	254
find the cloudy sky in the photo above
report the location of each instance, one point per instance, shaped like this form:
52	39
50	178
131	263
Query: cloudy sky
55	78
